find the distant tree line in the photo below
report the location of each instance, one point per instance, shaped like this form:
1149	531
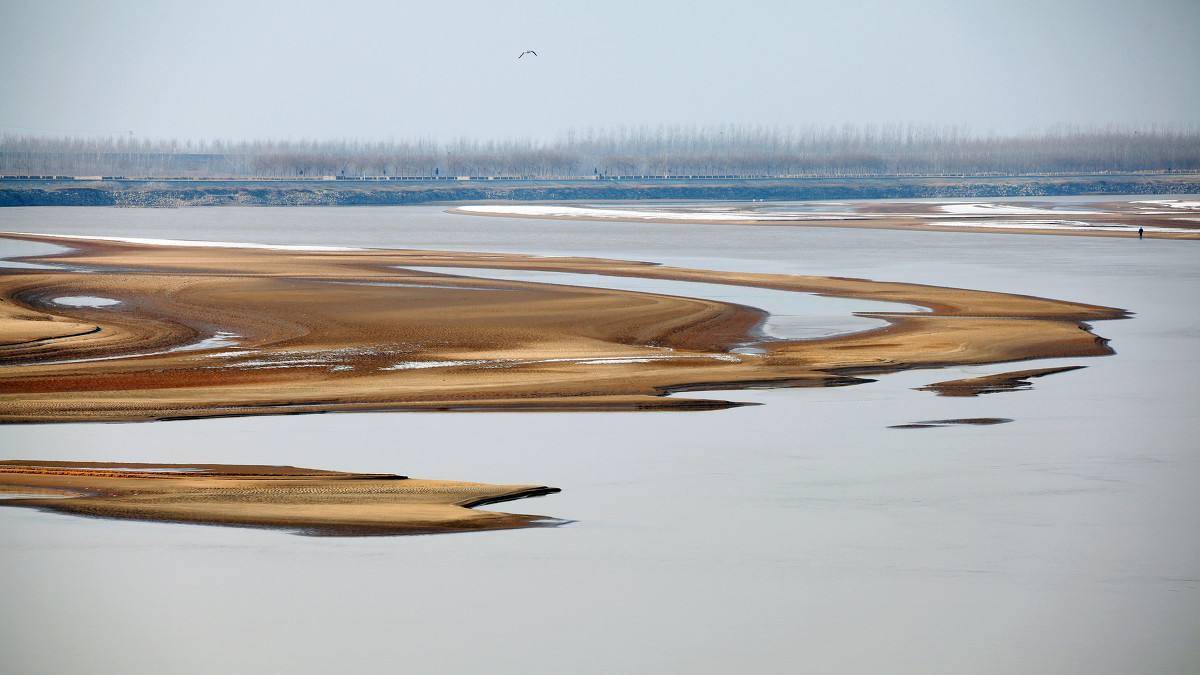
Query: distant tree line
668	150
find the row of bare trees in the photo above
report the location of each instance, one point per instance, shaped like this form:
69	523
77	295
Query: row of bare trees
666	150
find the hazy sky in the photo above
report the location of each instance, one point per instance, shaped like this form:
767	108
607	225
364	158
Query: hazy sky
444	69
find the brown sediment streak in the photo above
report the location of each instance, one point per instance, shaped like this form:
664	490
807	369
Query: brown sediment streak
318	331
308	501
990	384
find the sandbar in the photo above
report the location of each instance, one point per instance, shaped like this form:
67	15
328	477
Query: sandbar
305	501
1015	380
203	331
1158	219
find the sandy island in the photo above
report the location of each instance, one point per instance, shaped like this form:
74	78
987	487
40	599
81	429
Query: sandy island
1158	218
189	330
307	501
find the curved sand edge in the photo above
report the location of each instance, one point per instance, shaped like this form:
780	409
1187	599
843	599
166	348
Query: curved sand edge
324	331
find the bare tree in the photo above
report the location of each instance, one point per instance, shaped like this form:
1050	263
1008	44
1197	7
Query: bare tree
726	150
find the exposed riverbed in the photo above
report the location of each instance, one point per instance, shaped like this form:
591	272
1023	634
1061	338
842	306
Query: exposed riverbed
775	538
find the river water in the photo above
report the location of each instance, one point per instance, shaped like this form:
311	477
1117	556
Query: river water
802	535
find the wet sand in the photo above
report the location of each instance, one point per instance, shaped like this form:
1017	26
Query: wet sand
200	331
308	501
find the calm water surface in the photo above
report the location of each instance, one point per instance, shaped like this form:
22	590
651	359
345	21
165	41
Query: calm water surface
802	535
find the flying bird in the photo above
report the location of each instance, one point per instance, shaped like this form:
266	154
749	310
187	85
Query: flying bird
527	51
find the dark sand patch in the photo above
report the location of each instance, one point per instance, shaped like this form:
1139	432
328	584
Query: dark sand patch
970	421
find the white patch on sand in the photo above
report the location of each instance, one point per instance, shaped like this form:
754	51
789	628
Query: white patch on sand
199	244
1171	203
85	301
748	351
418	365
1074	225
989	209
221	339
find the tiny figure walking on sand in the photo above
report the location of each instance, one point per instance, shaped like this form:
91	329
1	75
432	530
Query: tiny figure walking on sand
1140	232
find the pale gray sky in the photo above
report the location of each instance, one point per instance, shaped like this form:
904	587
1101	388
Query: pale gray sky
444	69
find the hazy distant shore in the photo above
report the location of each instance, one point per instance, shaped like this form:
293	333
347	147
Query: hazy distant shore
1164	218
162	193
